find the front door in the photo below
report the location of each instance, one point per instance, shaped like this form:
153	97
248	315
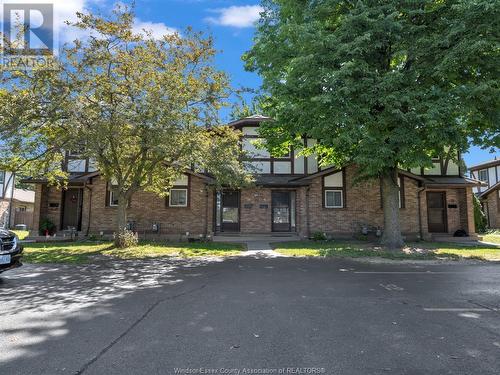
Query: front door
436	212
281	211
230	211
72	214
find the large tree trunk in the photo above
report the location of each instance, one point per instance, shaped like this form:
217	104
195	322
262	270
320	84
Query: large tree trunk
121	216
392	237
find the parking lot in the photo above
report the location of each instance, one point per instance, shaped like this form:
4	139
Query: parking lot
168	316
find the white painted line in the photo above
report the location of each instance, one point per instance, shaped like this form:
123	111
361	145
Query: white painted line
404	272
458	309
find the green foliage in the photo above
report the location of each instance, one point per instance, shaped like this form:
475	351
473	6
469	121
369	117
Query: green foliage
319	236
479	217
126	238
382	84
47	227
145	109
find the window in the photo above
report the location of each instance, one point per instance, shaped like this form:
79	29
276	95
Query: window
334	199
113	198
483	175
2	177
401	185
177	198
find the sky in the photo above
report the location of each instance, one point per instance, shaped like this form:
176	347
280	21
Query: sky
230	22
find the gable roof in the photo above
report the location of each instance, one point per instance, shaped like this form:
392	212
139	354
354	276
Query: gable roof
486	164
489	190
250	120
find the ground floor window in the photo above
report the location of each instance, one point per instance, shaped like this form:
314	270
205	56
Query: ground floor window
178	198
334	199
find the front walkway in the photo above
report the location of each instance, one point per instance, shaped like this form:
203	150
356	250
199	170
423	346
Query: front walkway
260	244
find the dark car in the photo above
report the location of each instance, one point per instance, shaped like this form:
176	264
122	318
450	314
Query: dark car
10	251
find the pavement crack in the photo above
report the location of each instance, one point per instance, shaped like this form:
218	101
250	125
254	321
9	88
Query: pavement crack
133	325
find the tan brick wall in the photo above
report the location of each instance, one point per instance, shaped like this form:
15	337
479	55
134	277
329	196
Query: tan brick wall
48	195
256	219
362	207
148	208
493	210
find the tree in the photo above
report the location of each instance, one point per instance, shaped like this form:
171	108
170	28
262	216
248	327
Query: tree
143	109
381	84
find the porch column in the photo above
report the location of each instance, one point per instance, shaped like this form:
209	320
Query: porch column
471	226
35	228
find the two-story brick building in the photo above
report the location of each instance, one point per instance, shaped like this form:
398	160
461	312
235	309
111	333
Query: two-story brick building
292	194
489	194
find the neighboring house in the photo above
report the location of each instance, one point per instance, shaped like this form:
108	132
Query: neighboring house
489	173
16	205
292	194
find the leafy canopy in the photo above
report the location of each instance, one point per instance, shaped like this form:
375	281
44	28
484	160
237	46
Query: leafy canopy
379	83
144	109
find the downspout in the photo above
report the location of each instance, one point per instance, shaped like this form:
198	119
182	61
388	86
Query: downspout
206	211
13	177
308	223
419	199
90	208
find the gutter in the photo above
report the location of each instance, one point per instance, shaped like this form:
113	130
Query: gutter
419	200
308	223
90	208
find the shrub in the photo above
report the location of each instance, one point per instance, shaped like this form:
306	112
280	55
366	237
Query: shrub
126	239
47	227
319	236
479	216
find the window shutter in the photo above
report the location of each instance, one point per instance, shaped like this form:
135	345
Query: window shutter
107	195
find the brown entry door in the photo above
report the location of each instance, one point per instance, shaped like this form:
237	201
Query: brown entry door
281	211
72	213
436	212
230	211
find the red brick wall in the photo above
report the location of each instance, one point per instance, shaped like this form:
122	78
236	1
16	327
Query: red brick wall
362	206
148	208
493	210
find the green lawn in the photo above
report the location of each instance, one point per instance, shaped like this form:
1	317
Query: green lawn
22	234
418	251
493	237
84	252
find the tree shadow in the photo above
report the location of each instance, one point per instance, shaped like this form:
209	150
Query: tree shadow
60	306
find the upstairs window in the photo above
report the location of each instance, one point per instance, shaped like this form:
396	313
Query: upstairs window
178	195
483	175
334	190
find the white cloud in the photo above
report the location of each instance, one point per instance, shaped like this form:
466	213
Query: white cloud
65	10
157	29
236	16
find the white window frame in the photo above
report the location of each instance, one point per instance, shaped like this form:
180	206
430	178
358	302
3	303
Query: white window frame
111	204
170	198
341	191
2	177
479	175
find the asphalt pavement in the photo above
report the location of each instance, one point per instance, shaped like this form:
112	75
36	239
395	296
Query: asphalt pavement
250	315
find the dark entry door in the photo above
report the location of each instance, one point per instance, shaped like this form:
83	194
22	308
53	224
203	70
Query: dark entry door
72	214
436	212
230	211
281	211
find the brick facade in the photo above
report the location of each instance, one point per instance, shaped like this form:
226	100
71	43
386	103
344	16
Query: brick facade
362	208
492	201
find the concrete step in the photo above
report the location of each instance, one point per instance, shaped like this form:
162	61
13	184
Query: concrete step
449	238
